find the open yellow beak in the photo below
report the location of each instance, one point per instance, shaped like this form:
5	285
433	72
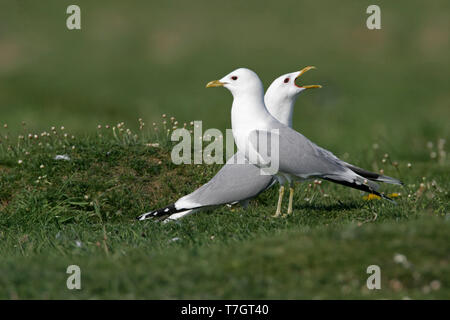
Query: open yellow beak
312	86
215	83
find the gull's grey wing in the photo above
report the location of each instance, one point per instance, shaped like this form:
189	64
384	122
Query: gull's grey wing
302	158
372	175
312	158
236	181
296	154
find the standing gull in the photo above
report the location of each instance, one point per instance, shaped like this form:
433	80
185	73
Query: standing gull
238	180
298	158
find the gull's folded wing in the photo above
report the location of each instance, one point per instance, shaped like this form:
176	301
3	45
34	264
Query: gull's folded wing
237	180
294	153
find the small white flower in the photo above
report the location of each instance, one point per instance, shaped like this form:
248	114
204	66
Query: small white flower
399	258
435	285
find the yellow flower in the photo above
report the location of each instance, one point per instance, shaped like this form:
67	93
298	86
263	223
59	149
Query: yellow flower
371	196
394	195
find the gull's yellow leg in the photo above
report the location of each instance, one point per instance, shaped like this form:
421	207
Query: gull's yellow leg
291	198
280	200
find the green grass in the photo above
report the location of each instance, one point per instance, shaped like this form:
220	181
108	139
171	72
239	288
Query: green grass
385	88
83	212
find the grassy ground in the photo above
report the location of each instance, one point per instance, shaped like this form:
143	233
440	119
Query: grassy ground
385	91
56	213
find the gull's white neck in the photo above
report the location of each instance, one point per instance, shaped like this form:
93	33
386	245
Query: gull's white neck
280	109
249	113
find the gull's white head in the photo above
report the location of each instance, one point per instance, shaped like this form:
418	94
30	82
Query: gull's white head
287	86
240	82
283	92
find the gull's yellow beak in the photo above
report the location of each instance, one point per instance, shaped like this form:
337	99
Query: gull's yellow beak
312	86
215	83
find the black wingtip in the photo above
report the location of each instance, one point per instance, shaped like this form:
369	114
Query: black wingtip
373	176
361	187
166	211
386	198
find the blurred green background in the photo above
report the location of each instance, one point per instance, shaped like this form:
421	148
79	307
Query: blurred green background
145	58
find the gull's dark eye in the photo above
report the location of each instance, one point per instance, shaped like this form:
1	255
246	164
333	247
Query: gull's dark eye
234	77
286	80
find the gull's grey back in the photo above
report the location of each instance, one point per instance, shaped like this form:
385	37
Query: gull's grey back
299	156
